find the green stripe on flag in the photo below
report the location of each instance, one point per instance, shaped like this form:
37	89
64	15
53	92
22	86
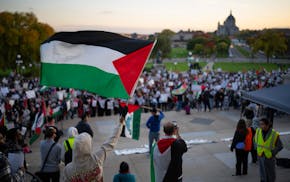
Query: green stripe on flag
136	124
152	171
83	77
33	138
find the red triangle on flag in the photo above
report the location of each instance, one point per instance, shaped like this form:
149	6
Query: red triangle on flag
131	107
130	67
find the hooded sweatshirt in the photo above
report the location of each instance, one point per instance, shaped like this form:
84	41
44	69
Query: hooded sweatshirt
87	165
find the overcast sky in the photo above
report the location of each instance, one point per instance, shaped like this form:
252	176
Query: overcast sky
149	16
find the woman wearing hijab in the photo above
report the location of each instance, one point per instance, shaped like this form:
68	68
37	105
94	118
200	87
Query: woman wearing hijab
68	145
87	164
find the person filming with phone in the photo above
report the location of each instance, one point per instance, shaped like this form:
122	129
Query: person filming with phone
167	154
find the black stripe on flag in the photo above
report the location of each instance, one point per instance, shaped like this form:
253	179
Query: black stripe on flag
110	40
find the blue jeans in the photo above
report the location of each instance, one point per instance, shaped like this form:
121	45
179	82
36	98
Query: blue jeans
153	136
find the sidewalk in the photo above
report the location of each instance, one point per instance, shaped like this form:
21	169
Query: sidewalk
208	67
202	163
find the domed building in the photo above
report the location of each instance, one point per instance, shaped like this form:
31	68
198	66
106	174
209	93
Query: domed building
229	27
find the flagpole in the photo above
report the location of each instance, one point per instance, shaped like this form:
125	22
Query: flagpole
150	108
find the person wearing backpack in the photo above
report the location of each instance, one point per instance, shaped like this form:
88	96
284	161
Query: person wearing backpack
68	144
242	147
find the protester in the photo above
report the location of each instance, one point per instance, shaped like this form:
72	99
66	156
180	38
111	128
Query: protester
124	174
15	151
205	98
50	167
3	145
249	114
167	155
87	164
83	125
153	123
68	145
239	144
268	144
51	123
253	149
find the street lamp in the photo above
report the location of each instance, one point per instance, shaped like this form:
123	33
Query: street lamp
18	61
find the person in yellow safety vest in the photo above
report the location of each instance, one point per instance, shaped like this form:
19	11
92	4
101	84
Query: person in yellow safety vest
68	145
268	144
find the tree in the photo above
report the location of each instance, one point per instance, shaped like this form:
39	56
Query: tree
21	33
270	42
198	49
163	43
222	49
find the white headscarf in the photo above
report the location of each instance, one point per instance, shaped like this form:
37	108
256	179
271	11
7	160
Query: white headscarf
72	132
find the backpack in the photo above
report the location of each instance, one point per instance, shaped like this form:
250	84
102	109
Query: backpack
68	154
248	140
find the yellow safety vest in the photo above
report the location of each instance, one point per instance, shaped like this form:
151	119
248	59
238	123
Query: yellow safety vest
71	142
265	147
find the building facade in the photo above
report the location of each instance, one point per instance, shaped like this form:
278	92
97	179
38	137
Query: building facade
229	27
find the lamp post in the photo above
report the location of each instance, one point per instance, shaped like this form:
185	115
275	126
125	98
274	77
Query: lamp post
18	62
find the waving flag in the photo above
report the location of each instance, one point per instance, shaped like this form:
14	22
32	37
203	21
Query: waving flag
180	90
100	62
132	121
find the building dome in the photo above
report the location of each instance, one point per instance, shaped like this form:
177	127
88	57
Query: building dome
231	18
229	27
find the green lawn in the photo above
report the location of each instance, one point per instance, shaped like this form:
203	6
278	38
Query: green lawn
178	53
238	66
243	51
179	67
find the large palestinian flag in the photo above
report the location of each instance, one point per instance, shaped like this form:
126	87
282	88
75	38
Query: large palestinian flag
100	62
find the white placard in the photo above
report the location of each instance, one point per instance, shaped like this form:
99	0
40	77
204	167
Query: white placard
163	98
30	94
60	95
94	103
68	106
11	102
25	85
4	91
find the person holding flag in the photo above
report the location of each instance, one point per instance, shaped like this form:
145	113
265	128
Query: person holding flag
87	164
153	123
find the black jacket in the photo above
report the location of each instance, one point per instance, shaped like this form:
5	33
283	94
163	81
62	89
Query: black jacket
239	136
174	171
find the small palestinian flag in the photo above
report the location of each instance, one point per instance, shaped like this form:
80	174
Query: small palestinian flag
104	63
36	127
180	90
132	121
56	112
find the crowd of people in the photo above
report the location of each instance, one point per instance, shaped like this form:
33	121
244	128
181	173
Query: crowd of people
24	100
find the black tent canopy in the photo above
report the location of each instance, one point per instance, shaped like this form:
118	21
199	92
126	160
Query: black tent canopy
277	98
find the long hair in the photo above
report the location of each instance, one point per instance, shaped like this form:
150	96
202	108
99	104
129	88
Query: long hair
241	126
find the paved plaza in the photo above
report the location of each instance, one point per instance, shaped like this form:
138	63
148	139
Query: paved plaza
210	161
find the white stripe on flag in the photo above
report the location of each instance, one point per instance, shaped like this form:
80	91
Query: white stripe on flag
58	52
